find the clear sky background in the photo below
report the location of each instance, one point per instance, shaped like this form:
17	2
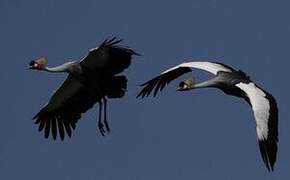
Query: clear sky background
200	134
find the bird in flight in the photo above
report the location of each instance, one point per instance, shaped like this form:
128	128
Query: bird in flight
235	83
90	80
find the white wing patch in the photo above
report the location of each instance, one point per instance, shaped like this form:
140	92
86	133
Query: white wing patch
96	48
91	50
211	67
261	107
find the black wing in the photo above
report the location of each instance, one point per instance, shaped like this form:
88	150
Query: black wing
109	57
160	81
64	109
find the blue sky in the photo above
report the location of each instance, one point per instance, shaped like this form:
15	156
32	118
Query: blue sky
200	134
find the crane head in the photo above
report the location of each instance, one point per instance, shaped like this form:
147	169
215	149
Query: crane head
38	64
187	84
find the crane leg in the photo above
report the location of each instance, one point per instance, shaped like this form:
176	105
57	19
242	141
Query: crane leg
105	115
100	124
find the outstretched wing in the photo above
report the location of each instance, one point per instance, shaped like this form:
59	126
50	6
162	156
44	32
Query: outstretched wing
265	111
167	76
64	108
108	57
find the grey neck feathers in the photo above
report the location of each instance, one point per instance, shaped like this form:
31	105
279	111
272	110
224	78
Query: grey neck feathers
67	67
210	83
56	69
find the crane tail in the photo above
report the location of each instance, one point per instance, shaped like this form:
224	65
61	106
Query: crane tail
117	87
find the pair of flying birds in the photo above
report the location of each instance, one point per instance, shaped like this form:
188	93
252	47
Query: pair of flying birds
96	78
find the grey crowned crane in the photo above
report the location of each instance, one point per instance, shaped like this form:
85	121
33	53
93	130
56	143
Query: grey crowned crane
90	80
232	82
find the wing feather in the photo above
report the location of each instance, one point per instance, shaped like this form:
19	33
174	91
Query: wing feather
109	57
64	108
53	128
265	111
60	129
160	81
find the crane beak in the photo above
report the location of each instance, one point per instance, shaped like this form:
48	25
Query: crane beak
31	65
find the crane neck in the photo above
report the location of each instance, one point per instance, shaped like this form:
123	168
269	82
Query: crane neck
66	67
56	69
209	83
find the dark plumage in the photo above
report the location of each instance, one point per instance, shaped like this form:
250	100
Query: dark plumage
161	81
80	91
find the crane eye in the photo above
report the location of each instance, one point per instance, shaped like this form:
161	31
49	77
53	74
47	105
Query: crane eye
181	84
31	63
